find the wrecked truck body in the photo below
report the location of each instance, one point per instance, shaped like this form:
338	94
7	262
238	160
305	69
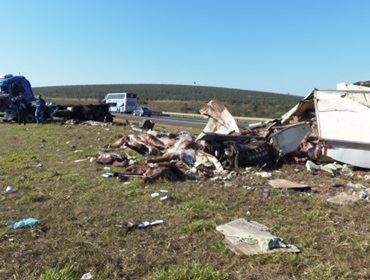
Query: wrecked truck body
261	145
307	132
221	145
91	112
337	119
341	122
239	150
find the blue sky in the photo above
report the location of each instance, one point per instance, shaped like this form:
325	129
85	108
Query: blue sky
280	46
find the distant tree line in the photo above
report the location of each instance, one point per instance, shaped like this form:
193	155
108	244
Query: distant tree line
240	102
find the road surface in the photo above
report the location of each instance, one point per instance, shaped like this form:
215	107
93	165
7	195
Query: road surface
183	122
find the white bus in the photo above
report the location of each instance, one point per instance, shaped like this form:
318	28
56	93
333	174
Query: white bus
121	102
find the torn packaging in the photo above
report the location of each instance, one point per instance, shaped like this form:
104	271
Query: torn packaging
167	171
143	144
110	158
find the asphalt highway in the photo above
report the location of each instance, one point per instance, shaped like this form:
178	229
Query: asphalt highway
182	122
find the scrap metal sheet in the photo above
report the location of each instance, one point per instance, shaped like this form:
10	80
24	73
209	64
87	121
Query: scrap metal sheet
340	118
343	124
252	238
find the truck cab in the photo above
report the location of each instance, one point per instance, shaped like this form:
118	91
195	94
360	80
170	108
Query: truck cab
10	87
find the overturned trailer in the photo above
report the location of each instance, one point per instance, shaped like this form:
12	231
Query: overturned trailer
338	123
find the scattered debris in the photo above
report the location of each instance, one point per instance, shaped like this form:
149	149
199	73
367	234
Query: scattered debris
263	174
343	199
288	139
364	194
149	224
9	189
220	120
236	151
355	186
330	168
80	160
25	223
111	158
285	184
222	145
147	125
140	225
251	238
107	175
155	194
87	276
96	123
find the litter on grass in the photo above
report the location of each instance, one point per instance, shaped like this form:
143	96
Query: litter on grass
343	199
251	238
9	189
87	276
285	184
140	225
25	223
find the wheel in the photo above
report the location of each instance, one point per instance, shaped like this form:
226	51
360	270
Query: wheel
30	118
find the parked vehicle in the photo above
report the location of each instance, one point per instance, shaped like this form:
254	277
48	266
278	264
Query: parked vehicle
142	112
121	102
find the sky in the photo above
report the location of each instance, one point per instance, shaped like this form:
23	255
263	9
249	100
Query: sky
285	46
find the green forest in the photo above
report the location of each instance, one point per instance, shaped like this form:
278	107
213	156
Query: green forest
185	99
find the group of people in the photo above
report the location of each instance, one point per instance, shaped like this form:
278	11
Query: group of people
21	109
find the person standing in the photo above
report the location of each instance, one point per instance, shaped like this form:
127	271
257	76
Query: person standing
40	109
20	105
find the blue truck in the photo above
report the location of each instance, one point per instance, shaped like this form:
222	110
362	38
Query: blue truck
10	87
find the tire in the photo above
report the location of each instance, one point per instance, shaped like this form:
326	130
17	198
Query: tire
30	118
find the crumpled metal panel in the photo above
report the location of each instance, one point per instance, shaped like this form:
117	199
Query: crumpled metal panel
220	120
288	139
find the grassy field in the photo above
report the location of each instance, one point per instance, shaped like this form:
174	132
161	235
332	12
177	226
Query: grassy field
80	215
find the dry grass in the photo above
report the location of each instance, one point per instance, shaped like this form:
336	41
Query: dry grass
79	212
